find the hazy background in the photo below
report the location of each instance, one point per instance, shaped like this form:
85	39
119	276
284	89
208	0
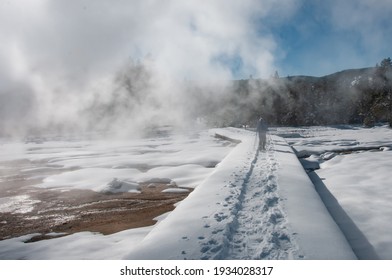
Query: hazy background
124	66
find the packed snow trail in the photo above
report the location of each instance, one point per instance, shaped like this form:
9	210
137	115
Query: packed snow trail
260	223
258	229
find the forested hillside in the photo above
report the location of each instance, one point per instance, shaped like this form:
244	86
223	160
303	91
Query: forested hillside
350	96
353	96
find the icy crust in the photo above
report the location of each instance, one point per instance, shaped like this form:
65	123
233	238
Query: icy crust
255	205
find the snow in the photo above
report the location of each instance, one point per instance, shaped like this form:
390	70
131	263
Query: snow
19	204
354	182
98	163
321	140
247	204
118	186
239	212
175	190
96	179
78	246
318	235
367	198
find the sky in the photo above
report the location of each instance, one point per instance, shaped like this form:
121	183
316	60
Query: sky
248	38
323	37
58	54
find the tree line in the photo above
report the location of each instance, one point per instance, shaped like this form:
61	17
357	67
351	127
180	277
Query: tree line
355	96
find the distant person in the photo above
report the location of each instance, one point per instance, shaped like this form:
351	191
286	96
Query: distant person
262	129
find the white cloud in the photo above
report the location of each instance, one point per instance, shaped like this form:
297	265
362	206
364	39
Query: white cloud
369	19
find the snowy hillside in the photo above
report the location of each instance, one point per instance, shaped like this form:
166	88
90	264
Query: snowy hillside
246	204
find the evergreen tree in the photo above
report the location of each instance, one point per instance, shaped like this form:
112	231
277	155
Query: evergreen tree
386	63
384	73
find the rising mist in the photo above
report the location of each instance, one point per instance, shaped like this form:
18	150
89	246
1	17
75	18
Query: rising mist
75	67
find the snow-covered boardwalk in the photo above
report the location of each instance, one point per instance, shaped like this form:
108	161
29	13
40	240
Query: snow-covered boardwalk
259	227
255	205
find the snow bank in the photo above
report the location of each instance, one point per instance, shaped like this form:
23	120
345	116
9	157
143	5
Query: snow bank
317	234
96	179
353	181
119	186
361	184
78	246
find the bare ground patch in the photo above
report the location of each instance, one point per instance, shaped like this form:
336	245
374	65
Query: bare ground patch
71	211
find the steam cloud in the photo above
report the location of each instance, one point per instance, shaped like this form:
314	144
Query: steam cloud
74	65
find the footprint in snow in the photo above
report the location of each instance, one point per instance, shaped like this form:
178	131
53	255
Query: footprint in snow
220	217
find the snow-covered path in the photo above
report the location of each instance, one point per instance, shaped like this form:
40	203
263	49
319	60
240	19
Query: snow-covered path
259	226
